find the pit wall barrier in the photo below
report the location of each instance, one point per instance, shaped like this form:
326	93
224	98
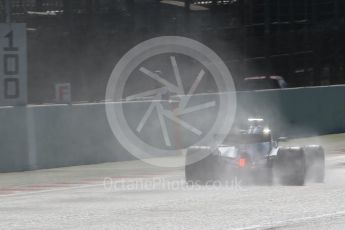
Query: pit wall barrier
49	136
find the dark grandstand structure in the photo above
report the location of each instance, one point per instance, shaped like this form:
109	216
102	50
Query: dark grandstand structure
80	41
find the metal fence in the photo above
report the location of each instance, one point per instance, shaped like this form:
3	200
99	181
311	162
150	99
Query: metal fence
22	6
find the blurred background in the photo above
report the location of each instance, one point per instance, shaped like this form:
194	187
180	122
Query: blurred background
80	41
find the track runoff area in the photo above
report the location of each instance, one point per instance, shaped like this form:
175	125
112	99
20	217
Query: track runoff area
135	195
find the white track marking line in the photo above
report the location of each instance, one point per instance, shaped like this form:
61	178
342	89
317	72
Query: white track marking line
100	184
335	158
20	194
291	221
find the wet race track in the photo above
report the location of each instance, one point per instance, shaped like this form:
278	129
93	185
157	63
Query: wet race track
132	195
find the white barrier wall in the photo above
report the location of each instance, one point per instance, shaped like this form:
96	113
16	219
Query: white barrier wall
57	135
49	136
13	139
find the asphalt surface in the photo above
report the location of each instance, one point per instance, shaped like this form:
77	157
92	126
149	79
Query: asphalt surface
133	195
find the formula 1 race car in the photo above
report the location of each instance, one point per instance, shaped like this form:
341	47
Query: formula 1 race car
254	157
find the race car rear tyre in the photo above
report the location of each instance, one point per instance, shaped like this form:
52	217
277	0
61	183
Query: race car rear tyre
289	167
202	171
315	163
